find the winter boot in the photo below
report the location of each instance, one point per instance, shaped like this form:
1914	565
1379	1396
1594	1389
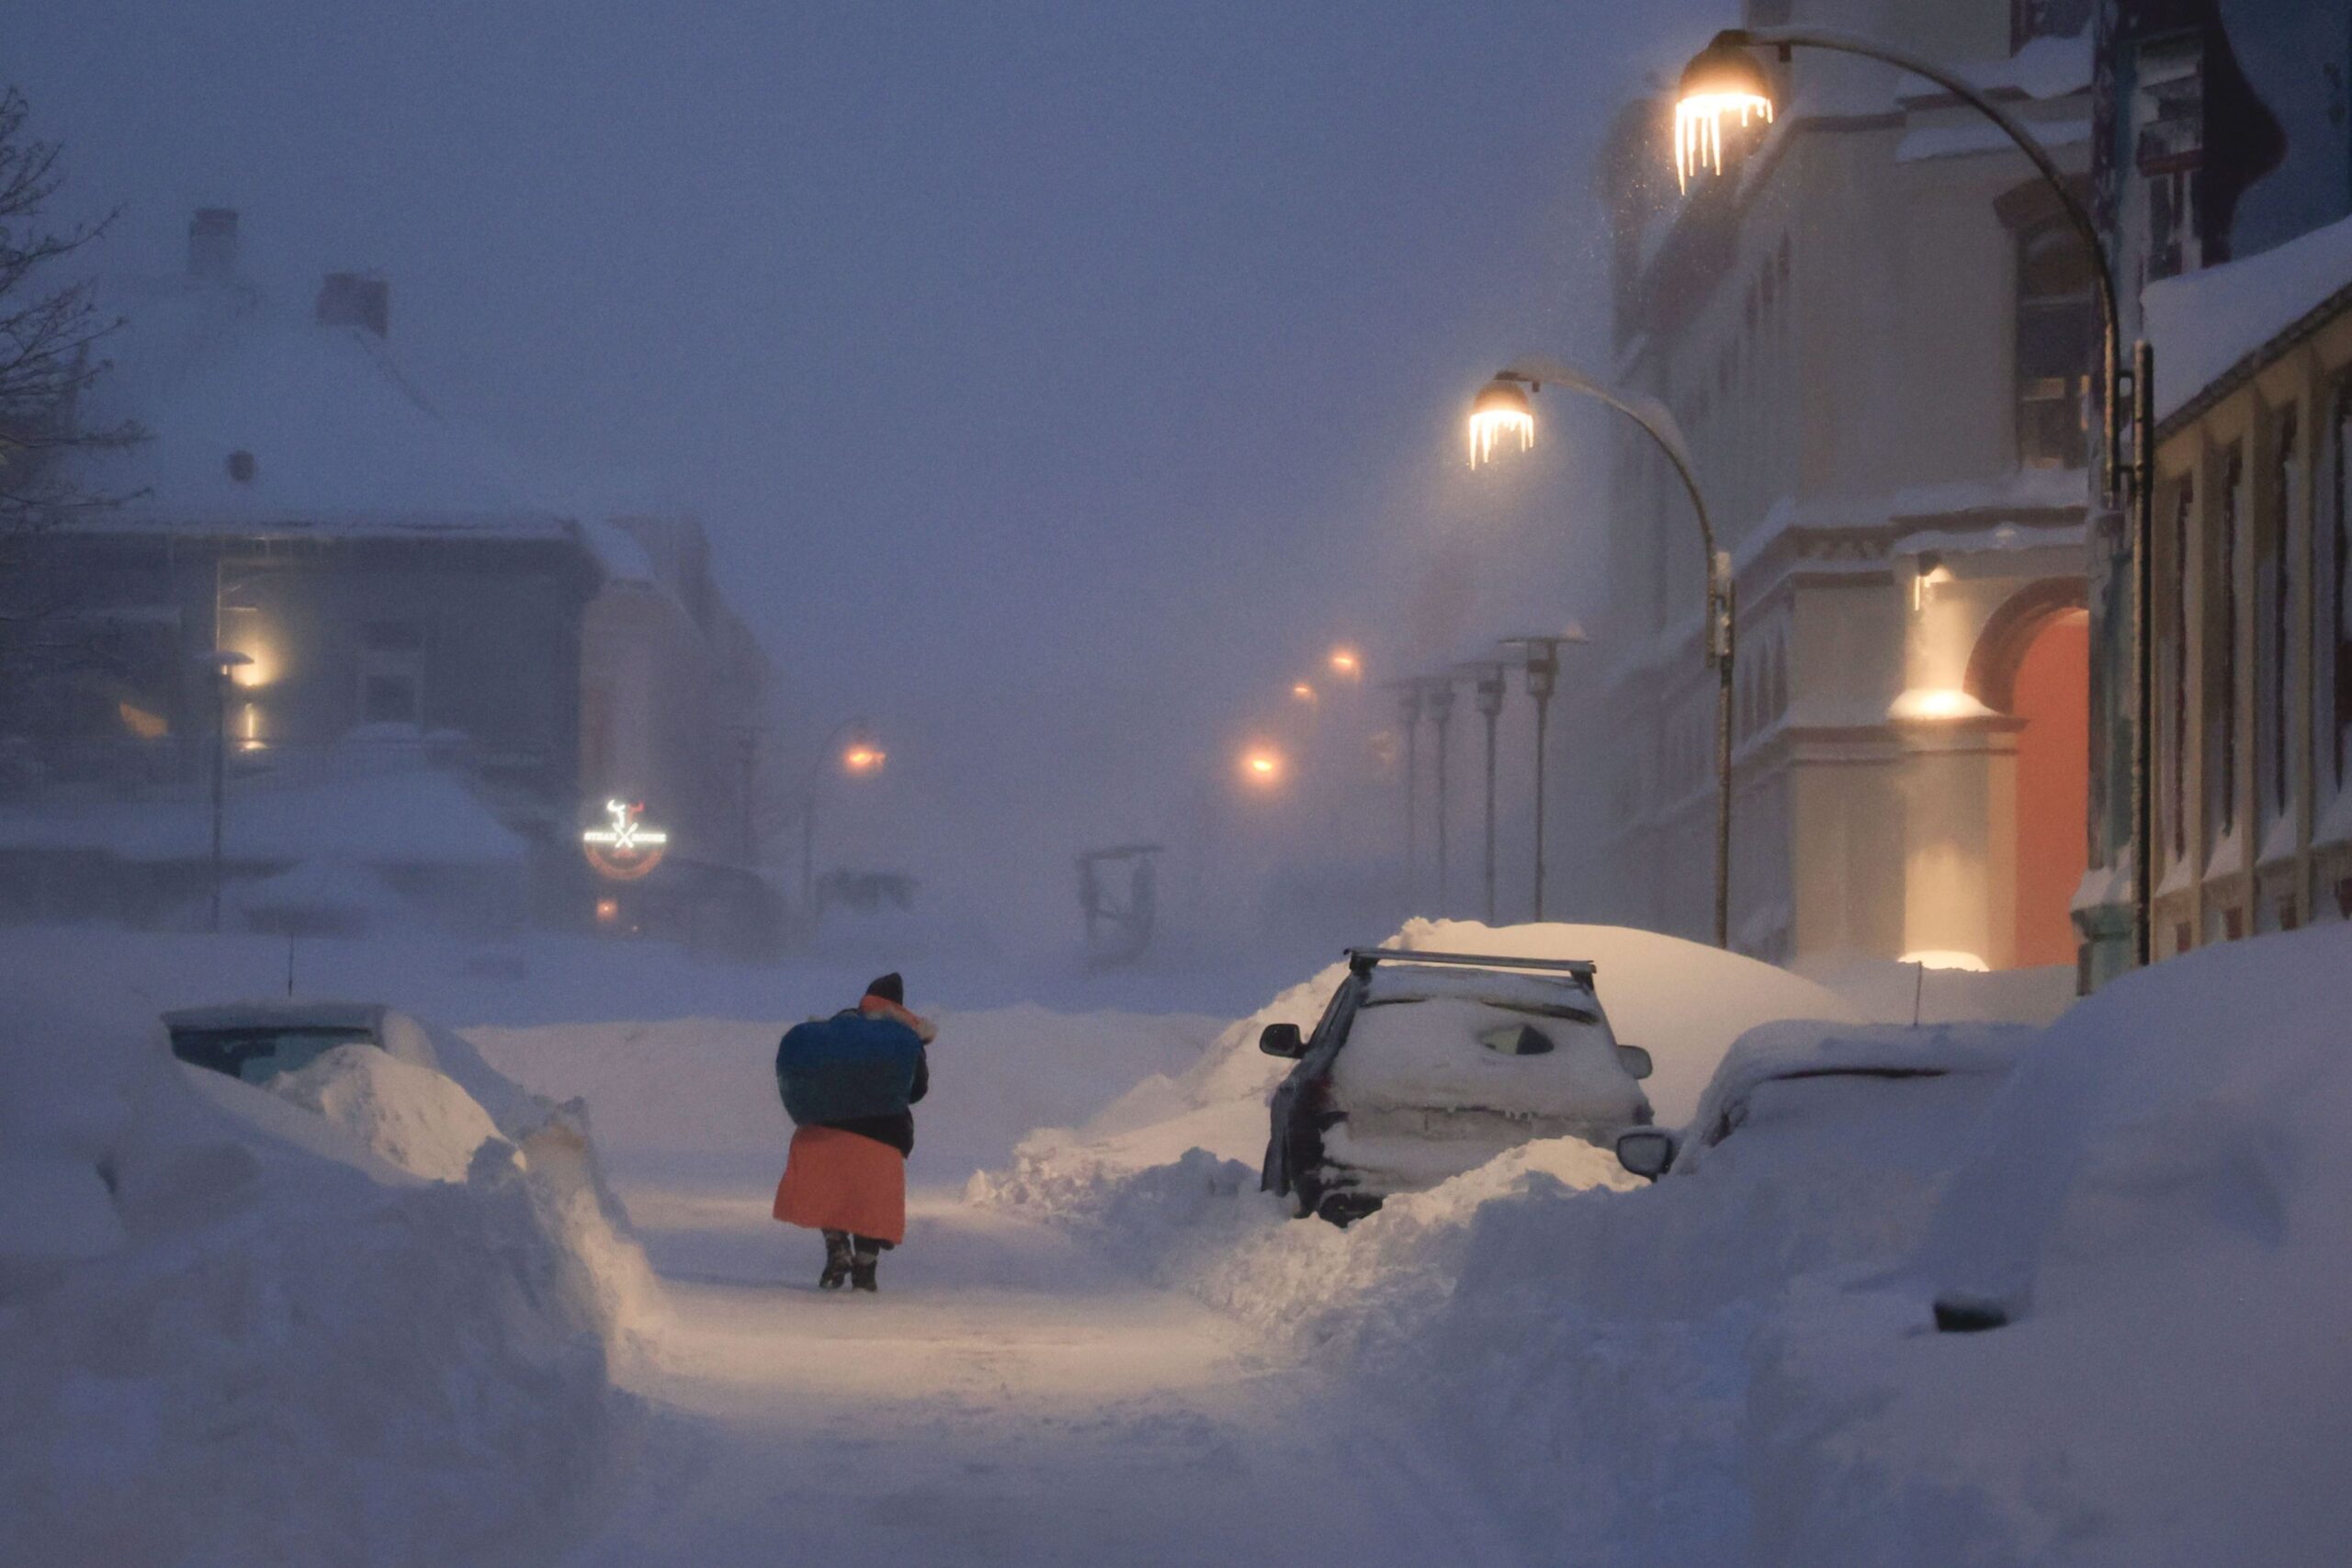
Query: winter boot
861	1267
838	1262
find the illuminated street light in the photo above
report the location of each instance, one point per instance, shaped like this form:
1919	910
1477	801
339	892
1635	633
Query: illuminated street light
1721	80
1261	766
1501	410
1717	631
862	757
1726	69
1303	692
1346	664
224	665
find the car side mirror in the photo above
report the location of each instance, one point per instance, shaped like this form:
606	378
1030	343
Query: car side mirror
1645	1151
1636	1061
1282	1039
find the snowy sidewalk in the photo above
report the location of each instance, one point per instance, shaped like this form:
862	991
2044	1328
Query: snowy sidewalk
1006	1399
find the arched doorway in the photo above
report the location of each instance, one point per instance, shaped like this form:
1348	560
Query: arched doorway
2052	694
2033	663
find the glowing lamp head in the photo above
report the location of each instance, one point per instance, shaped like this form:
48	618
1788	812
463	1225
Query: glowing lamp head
1261	766
1346	664
1302	690
1722	80
1500	410
865	757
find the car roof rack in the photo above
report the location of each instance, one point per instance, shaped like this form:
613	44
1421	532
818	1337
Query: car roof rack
1362	959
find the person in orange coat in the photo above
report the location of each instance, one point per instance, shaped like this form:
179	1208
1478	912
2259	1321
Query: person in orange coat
846	1175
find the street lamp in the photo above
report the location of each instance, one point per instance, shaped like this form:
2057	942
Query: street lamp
1658	422
223	663
862	756
1486	679
1541	655
1725	76
1261	766
1436	695
1347	664
1409	713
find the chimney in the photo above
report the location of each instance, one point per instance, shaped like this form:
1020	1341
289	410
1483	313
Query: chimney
212	244
355	300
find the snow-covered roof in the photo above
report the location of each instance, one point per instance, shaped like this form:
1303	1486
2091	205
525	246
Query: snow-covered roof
339	439
414	816
2206	324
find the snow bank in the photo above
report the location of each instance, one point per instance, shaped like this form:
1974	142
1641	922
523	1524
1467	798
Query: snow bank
235	1332
2204	323
2161	1199
412	1116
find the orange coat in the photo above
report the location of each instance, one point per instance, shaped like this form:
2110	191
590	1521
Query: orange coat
843	1181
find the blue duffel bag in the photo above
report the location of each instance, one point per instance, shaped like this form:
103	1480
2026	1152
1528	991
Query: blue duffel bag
849	1065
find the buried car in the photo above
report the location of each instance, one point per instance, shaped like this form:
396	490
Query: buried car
1427	1065
1871	1097
257	1041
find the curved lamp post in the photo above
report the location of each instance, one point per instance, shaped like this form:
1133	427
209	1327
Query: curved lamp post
1726	78
1541	655
1502	408
1485	678
861	754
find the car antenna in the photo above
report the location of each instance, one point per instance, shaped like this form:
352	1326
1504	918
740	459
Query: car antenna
290	966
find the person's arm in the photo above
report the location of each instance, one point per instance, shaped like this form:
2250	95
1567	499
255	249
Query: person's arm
922	1078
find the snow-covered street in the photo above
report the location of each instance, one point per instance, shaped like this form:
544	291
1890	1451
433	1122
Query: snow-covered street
1010	1397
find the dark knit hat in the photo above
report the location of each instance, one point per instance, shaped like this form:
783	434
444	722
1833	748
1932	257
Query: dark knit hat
890	987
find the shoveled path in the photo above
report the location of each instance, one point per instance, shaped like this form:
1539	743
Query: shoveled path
1007	1398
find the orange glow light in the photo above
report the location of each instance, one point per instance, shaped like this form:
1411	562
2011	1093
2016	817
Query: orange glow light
1263	766
863	759
1345	663
1303	692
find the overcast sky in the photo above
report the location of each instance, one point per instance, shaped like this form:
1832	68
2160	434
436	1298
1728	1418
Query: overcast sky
1057	379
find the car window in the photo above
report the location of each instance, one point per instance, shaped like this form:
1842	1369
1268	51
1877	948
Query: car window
1516	1039
257	1055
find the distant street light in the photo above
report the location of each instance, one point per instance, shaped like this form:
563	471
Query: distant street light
1487	686
1303	692
1716	631
223	664
1347	664
1726	77
1541	656
1261	766
862	756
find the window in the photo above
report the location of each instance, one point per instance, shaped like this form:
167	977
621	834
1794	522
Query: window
2273	624
2175	666
392	672
2331	597
2220	666
2055	336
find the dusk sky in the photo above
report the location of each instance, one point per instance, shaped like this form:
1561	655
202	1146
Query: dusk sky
1057	380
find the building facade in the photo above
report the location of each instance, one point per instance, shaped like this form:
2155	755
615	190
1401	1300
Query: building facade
1875	332
399	599
2224	179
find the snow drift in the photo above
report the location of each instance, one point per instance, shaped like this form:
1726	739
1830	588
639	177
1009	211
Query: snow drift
247	1330
2161	1200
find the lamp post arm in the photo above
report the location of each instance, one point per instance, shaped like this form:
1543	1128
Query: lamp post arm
1786	38
1658	422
